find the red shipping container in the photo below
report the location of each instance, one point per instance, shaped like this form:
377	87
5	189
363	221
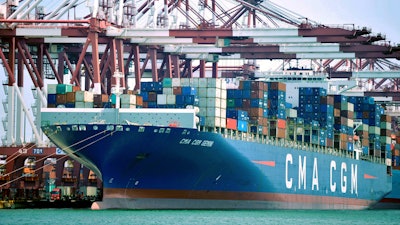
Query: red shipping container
231	123
281	123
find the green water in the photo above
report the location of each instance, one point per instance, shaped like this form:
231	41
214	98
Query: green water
195	217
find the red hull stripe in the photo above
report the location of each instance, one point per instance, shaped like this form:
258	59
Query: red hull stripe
229	195
266	163
367	176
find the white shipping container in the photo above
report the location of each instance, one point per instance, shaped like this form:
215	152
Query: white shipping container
202	92
213	92
223	84
128	99
84	96
223	103
213	121
203	111
52	89
223	93
185	81
171	99
350	122
203	83
195	82
176	82
350	107
223	122
292	113
213	112
168	90
202	102
214	82
161	99
213	102
223	113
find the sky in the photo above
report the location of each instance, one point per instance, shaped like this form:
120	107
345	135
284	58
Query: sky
381	16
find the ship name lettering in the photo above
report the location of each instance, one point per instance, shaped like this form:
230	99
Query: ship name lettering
203	143
207	143
185	141
196	142
344	182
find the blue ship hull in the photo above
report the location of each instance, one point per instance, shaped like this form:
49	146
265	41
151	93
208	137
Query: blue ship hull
392	200
151	167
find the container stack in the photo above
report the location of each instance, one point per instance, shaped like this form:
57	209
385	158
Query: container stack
277	109
344	122
317	108
84	99
386	133
370	113
68	96
149	92
374	116
101	101
361	112
212	101
128	101
248	107
255	102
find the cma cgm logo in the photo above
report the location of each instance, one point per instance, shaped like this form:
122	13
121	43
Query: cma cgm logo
347	178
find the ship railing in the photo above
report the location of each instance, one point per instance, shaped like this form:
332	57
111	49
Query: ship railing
282	142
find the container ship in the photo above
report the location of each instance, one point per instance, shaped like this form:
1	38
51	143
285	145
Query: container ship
212	143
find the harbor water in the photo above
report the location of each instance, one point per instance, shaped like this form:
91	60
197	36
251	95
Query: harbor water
196	217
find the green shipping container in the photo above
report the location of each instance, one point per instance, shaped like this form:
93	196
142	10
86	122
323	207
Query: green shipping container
64	88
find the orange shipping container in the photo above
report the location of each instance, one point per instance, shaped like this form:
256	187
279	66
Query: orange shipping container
257	85
177	90
265	130
256	112
76	88
256	94
70	97
61	99
139	100
343	137
329	142
281	133
281	123
231	123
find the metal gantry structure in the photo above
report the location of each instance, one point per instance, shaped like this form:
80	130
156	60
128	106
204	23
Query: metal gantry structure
85	42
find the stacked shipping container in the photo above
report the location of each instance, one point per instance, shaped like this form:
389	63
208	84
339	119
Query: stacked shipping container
257	107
